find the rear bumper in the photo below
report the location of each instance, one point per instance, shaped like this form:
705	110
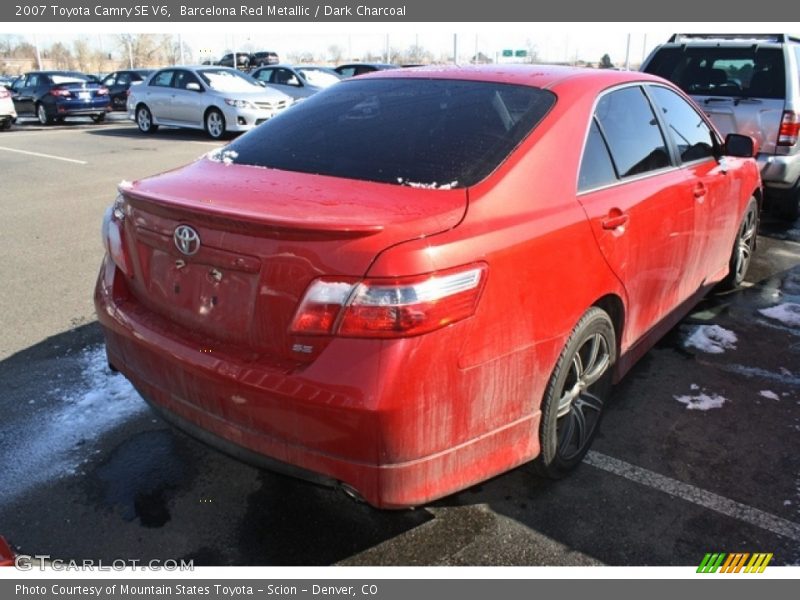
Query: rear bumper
779	172
344	423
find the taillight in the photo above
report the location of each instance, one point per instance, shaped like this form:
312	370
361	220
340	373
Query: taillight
59	91
386	308
790	127
113	235
102	91
4	93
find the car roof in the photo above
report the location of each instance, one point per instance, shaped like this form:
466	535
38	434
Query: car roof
542	76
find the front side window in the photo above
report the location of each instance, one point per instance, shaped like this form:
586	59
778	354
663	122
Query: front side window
632	132
415	132
182	79
685	126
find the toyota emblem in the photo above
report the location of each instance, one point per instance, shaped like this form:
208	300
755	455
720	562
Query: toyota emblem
186	240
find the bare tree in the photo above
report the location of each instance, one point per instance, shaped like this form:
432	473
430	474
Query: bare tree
61	56
335	53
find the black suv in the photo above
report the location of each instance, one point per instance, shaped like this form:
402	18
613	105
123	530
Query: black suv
750	84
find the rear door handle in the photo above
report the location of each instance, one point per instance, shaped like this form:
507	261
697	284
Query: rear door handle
615	219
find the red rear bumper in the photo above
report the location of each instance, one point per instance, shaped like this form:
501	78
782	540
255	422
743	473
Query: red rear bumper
346	421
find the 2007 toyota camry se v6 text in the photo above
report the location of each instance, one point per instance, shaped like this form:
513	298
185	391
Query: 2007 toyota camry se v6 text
416	280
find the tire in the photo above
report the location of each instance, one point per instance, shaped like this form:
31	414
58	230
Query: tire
144	120
215	124
41	114
743	247
5	125
99	118
576	394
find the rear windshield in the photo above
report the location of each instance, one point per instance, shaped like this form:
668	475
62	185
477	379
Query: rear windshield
417	132
740	72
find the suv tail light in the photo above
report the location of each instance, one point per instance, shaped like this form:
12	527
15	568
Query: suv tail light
387	308
59	91
790	127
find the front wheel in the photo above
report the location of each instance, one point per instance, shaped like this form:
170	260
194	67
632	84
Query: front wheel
743	248
576	394
215	124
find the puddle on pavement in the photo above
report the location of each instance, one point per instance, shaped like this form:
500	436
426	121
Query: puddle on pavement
139	477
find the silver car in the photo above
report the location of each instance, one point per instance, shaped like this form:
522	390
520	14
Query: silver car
298	82
216	99
750	84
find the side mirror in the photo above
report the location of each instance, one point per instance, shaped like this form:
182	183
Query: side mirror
742	146
193	86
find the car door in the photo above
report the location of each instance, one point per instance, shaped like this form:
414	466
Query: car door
158	95
24	92
636	201
697	148
188	106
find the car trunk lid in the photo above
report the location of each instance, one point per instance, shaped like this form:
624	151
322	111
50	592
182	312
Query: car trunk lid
759	118
262	235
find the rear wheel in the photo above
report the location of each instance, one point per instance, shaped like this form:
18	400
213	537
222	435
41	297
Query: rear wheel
576	394
6	124
99	118
743	247
215	124
41	114
144	120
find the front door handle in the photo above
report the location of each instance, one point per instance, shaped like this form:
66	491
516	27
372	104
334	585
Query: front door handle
699	190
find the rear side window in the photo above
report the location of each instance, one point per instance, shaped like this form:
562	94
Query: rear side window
740	72
162	79
686	127
417	132
597	169
632	132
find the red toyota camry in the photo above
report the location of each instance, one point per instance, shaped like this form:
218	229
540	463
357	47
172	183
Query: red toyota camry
416	280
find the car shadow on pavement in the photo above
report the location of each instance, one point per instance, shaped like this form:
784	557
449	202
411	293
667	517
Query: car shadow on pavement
93	473
164	133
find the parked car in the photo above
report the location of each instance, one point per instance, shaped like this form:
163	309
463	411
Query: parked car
119	82
351	70
748	84
263	58
242	61
55	95
217	99
414	281
298	82
7	82
7	112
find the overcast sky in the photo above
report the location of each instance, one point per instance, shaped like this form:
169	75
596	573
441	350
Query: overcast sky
554	42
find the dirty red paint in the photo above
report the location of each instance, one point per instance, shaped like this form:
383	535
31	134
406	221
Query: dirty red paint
403	420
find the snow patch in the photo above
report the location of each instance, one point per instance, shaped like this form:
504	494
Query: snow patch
712	339
702	401
427	186
226	157
769	394
787	313
102	401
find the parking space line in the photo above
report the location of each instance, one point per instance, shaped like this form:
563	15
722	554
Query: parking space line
39	154
696	495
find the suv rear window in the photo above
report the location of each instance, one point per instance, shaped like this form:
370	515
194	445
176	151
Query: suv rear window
738	72
418	132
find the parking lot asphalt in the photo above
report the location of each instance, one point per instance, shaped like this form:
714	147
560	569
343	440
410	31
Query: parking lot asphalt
698	451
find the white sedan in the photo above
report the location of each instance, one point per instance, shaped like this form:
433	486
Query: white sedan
216	99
